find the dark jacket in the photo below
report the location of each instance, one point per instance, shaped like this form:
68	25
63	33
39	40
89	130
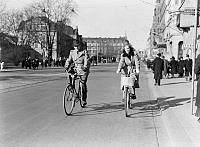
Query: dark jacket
188	67
173	65
158	67
197	72
181	65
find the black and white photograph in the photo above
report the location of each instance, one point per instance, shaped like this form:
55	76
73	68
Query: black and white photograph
99	73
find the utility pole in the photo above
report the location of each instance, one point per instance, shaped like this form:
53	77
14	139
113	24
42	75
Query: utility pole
97	50
194	51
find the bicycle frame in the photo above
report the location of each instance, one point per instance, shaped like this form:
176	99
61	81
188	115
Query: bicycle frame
76	87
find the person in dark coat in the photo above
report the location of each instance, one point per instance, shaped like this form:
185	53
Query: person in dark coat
166	67
181	65
197	72
173	65
188	68
158	67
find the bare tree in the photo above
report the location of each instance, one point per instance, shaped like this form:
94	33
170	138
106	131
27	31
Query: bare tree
2	11
11	21
54	11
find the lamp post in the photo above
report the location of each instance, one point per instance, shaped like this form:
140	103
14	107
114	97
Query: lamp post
194	52
97	51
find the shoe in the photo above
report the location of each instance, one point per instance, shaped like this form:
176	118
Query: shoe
198	120
84	103
132	96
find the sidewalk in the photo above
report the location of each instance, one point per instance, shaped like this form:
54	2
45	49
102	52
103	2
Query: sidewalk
173	97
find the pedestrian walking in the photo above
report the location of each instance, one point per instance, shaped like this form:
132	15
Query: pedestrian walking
181	65
173	65
197	72
166	67
188	68
2	64
158	66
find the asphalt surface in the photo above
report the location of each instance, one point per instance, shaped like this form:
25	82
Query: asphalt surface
32	112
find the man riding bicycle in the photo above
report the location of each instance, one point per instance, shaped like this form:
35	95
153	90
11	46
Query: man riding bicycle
78	64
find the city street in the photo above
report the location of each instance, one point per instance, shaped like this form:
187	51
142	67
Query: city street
157	39
32	113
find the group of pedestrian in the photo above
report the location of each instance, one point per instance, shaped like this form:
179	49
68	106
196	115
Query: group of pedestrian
180	67
168	69
30	63
34	63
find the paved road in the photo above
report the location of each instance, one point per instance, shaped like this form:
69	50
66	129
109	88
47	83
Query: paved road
32	114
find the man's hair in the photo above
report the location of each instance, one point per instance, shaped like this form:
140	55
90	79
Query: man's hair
127	41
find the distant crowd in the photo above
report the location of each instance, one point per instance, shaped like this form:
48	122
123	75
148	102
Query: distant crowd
181	67
35	63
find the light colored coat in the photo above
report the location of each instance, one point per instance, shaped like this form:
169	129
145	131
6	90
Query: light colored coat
80	59
125	64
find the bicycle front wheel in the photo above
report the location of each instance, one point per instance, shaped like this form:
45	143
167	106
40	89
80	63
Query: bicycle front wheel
68	100
126	97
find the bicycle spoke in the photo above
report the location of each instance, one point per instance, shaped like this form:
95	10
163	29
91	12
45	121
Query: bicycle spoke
68	101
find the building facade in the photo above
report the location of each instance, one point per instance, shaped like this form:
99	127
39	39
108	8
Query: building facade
170	33
186	23
173	33
107	48
50	39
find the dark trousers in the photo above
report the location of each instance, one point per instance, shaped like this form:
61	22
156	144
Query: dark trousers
157	81
83	79
180	75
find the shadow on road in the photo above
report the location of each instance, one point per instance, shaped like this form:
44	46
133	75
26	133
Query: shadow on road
152	108
166	103
101	108
173	83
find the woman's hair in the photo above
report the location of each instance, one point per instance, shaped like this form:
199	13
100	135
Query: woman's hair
130	53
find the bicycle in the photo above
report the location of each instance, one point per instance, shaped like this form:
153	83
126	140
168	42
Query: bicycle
72	95
127	82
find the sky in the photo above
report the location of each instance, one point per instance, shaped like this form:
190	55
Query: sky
110	18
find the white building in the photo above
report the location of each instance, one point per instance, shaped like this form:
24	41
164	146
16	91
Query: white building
172	33
187	21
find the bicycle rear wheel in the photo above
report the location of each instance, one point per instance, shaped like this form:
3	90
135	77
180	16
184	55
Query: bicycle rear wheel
68	100
127	102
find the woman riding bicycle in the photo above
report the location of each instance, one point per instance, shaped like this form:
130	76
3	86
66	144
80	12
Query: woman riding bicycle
128	66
